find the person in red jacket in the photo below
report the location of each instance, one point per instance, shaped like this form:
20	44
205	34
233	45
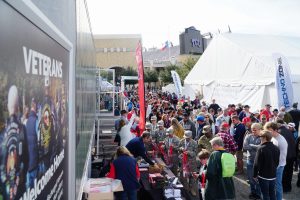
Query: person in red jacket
125	168
267	112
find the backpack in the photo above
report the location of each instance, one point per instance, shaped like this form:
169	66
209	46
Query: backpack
228	165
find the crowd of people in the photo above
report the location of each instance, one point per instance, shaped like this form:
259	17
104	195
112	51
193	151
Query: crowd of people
191	137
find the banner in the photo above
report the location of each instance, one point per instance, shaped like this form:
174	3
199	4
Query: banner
177	83
283	81
34	83
141	85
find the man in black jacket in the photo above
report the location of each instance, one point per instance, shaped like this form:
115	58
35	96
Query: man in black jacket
290	157
295	113
265	165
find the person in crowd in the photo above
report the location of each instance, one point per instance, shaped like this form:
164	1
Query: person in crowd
123	117
287	118
275	115
135	127
228	141
217	186
167	122
245	113
267	112
136	146
213	114
238	135
223	118
171	146
154	126
153	113
291	127
239	108
160	133
25	116
295	113
178	129
298	157
203	156
281	143
231	110
131	113
32	141
204	141
263	119
125	168
188	149
214	106
199	126
124	133
290	157
247	123
187	124
13	151
265	166
252	142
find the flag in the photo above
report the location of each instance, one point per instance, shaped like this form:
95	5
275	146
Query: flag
141	86
167	44
283	81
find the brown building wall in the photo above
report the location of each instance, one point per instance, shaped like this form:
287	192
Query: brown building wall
116	50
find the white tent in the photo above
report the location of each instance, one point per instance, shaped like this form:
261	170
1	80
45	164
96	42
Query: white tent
239	68
186	91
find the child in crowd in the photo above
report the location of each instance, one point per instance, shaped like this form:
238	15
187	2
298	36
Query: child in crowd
203	157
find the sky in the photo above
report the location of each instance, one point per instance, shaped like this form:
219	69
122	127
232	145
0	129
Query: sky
161	20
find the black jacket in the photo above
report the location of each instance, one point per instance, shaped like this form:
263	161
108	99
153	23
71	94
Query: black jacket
266	161
289	137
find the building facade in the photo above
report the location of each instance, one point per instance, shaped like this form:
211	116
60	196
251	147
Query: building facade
116	50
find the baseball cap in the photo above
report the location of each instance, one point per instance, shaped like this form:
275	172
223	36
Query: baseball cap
148	125
246	120
153	118
188	134
200	118
160	123
206	129
225	125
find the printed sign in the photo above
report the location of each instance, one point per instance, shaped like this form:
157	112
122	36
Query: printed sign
33	111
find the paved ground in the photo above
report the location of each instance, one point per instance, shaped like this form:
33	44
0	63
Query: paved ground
243	189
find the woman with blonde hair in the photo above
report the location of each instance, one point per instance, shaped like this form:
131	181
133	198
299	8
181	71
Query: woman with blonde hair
125	168
178	129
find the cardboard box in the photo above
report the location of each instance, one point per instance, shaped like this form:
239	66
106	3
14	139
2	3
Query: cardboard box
102	188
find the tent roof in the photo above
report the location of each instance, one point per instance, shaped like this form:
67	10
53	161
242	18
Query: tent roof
244	59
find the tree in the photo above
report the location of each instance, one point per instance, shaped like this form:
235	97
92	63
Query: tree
186	68
165	75
150	76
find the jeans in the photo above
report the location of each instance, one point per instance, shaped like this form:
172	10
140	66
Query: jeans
267	189
279	190
130	195
288	175
254	186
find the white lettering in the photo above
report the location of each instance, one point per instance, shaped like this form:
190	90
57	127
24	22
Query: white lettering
27	59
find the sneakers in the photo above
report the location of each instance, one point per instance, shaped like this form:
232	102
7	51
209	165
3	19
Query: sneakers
254	196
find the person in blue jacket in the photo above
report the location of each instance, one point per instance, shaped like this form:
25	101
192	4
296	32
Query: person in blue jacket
136	146
125	168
